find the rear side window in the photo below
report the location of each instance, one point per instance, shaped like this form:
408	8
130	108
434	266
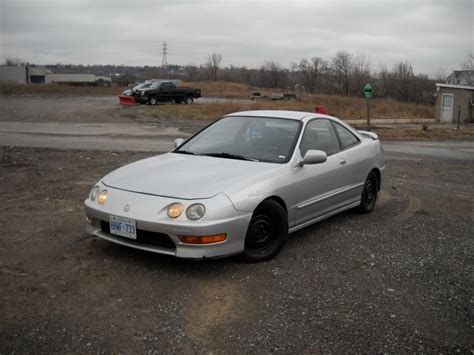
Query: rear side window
319	134
347	138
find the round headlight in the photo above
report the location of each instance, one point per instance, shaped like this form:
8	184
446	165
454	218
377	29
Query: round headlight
195	211
175	210
94	192
102	197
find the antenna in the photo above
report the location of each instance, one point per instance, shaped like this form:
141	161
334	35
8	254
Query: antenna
164	51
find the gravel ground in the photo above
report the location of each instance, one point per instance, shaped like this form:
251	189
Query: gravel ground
397	280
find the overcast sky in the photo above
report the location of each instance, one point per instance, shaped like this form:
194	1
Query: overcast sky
427	33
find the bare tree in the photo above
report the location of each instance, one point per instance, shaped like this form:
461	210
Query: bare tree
13	62
360	73
404	81
440	75
213	62
273	75
342	66
191	72
468	63
311	71
385	82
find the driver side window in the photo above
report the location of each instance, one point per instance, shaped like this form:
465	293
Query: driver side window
319	135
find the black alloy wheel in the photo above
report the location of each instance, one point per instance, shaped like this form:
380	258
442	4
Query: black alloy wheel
267	232
369	194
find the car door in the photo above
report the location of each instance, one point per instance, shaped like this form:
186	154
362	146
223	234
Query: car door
318	185
355	167
165	92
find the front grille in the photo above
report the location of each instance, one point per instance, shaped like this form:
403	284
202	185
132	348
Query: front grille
143	237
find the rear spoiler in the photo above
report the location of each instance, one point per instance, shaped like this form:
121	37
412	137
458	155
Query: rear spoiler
370	135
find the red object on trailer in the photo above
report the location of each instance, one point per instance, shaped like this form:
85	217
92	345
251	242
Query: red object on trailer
127	100
320	109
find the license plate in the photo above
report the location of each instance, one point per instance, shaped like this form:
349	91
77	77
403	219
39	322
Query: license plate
123	227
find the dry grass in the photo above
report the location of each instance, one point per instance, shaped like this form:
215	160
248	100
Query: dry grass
212	111
432	134
339	106
347	108
342	107
224	89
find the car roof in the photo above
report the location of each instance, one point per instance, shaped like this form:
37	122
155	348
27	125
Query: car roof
294	115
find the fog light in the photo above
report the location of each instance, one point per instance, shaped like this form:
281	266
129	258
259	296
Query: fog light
102	197
205	239
175	210
89	218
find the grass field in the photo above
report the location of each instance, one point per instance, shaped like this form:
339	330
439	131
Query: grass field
340	106
432	134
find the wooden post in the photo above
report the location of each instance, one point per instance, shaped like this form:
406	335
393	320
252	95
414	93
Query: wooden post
459	116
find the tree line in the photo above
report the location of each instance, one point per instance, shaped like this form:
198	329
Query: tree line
343	74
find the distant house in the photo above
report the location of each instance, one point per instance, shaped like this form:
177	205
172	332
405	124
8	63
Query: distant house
461	77
40	75
77	79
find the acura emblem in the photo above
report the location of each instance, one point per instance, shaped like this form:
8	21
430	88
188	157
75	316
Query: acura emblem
126	208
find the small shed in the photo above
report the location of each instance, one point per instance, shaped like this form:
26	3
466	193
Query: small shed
454	101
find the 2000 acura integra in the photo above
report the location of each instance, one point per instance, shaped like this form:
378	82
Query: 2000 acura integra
239	186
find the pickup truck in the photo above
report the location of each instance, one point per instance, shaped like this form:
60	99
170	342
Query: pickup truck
166	91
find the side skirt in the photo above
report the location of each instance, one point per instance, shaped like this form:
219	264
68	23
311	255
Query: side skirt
305	224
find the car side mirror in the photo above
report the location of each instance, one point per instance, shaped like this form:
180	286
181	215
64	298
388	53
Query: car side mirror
313	156
178	142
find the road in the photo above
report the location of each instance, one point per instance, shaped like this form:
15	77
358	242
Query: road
160	138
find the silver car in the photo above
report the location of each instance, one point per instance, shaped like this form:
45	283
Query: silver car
239	186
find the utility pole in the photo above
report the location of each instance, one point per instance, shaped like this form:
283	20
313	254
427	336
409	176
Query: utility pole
164	52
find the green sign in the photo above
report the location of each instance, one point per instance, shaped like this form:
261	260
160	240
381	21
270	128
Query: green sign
368	91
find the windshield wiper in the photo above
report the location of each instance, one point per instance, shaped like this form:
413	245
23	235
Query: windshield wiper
184	152
229	156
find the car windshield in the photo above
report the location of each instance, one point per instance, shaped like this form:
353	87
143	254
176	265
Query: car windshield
139	86
246	138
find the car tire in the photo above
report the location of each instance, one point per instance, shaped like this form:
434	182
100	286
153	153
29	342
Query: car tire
188	100
267	232
178	101
152	100
369	194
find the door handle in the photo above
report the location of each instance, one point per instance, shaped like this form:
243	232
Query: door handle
342	161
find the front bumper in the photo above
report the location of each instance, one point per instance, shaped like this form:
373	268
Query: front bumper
141	99
159	234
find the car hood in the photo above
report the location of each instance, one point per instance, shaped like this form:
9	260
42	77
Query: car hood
188	176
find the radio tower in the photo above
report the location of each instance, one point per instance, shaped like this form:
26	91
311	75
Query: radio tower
164	51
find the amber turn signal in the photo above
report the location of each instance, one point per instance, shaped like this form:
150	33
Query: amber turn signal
206	239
